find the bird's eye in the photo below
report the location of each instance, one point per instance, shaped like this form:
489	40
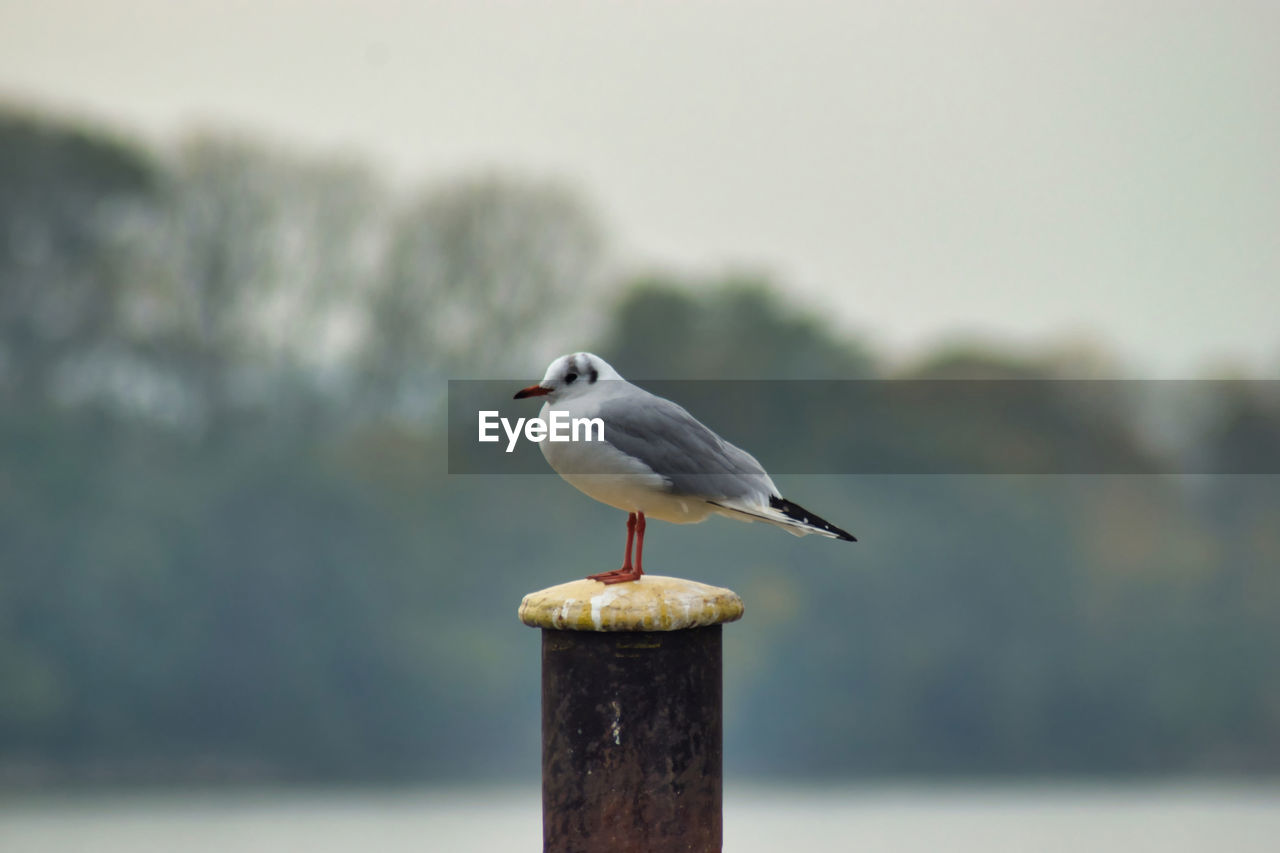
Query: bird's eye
569	377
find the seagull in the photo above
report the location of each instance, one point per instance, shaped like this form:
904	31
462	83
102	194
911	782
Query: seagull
656	460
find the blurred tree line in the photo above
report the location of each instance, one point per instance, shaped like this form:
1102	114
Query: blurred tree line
229	548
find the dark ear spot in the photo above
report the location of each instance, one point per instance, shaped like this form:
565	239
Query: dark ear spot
592	376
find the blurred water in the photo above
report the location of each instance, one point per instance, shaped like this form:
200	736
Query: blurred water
1170	819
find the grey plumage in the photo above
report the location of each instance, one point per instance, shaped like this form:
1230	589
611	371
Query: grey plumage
687	454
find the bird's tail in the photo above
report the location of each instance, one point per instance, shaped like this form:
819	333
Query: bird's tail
791	517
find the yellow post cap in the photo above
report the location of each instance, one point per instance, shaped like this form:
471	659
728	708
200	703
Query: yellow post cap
652	603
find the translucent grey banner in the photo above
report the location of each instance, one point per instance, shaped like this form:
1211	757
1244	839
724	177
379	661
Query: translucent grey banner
921	426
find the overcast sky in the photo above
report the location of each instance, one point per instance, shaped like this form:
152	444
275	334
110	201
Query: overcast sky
1019	169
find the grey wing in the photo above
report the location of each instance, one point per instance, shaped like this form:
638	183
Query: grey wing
692	459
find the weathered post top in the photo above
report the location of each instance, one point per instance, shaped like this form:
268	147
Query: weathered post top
652	603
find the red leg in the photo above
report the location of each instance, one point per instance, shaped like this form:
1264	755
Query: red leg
639	547
631	533
626	573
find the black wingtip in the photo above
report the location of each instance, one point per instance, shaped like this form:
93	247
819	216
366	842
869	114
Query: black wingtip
802	515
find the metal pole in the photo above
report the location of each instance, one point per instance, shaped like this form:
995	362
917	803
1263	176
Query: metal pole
631	714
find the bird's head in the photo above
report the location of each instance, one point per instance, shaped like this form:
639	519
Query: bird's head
570	376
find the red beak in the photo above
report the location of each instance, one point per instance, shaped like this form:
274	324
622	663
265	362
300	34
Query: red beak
531	391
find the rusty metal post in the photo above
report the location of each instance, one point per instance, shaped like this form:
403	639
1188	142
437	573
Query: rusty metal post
631	714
